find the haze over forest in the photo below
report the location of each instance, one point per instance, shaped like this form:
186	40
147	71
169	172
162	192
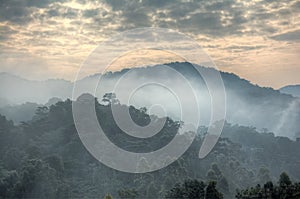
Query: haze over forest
43	156
217	81
247	104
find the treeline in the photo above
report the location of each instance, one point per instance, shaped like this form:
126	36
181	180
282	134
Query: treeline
194	189
191	189
44	158
284	189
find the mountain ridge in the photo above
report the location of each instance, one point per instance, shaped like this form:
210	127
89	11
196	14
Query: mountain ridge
291	90
247	104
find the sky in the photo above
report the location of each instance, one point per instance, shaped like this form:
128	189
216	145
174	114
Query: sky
258	40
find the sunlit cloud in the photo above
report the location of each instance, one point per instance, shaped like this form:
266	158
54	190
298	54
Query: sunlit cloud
259	39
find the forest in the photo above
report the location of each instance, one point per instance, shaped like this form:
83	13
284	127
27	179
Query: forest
44	158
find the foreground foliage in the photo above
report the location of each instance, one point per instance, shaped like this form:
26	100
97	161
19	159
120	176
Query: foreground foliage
44	158
284	190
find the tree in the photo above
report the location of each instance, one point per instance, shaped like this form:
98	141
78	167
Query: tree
8	179
37	180
151	191
108	196
264	175
268	189
216	170
55	162
13	158
212	192
110	98
41	112
285	190
189	189
128	193
284	180
5	132
223	185
215	174
211	175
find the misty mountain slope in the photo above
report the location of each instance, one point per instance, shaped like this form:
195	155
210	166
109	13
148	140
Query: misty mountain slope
16	90
19	113
247	104
24	112
291	90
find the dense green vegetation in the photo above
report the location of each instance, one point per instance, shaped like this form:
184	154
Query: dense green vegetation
195	189
44	158
284	189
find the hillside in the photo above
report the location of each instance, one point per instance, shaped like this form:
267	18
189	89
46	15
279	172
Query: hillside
45	157
16	90
247	104
291	90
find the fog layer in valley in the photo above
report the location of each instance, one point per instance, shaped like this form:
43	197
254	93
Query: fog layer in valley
246	104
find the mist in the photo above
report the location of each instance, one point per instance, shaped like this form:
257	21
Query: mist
44	142
151	87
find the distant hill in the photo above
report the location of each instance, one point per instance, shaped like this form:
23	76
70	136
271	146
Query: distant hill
20	113
247	104
24	112
16	90
291	90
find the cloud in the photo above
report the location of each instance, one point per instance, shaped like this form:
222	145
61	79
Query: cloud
90	13
54	30
14	13
215	18
6	32
288	36
19	11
